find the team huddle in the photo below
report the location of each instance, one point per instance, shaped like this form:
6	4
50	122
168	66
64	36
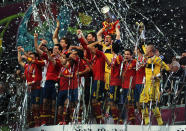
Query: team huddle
70	83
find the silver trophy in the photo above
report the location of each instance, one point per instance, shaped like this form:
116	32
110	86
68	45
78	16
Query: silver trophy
107	15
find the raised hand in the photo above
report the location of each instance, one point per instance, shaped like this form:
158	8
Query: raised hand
79	32
35	36
19	48
22	49
58	23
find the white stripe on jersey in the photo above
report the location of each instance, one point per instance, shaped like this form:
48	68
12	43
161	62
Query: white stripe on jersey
44	73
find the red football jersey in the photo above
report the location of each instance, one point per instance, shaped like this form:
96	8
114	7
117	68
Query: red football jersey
115	79
29	71
64	52
73	70
64	81
38	70
140	71
129	70
52	70
72	83
98	66
82	66
140	74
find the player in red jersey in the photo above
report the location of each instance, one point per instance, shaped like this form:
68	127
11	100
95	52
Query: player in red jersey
64	42
128	84
115	82
91	37
36	83
28	73
97	59
63	95
140	75
71	99
98	69
33	73
83	72
76	68
79	68
49	91
44	48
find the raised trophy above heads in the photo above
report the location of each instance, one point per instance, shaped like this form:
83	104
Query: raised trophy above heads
110	22
105	9
141	29
107	15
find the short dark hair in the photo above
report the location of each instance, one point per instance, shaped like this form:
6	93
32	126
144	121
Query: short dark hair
59	46
93	34
35	54
183	61
129	50
100	47
67	41
80	53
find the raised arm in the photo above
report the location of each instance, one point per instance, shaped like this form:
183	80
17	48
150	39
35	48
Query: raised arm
43	42
118	37
25	53
76	47
55	35
165	66
19	57
38	50
84	43
99	34
82	39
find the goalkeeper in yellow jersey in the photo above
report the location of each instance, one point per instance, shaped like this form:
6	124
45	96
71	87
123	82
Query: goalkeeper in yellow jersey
151	92
107	49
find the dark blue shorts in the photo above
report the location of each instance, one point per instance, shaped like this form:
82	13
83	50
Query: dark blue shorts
137	91
123	96
41	96
35	96
62	96
114	93
49	91
98	89
73	95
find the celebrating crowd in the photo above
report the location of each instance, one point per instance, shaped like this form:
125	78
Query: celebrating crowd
70	83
